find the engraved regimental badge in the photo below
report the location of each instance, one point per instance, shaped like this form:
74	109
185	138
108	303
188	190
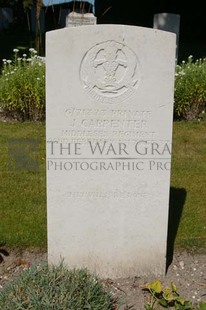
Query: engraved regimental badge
110	72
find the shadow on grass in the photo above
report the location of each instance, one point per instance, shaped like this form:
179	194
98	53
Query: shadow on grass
176	204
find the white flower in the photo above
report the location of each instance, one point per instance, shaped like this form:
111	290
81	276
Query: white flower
8	61
181	73
15	50
41	58
24	55
32	50
29	59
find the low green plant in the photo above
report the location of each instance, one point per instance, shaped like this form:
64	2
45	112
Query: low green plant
22	86
55	287
190	89
168	297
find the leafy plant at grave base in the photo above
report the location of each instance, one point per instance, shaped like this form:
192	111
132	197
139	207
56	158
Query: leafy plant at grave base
22	87
51	287
190	90
168	298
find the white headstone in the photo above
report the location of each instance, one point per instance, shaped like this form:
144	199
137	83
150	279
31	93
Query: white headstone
75	19
168	22
109	131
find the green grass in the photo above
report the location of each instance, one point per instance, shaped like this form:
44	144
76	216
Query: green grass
189	173
23	193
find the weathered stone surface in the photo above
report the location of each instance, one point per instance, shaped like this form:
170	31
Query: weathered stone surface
109	122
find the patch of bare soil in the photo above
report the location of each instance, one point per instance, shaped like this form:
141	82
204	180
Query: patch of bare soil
187	271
